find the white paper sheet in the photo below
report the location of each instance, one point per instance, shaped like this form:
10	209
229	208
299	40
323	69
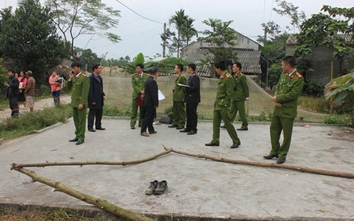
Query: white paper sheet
161	96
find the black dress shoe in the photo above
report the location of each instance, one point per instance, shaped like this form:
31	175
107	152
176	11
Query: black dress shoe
179	128
132	127
212	144
172	126
79	142
235	145
223	126
281	160
100	128
192	132
270	156
153	132
91	130
241	129
185	130
74	140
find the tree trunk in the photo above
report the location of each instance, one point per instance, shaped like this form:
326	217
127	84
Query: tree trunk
102	204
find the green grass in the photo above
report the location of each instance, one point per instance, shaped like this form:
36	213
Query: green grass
27	122
316	105
344	119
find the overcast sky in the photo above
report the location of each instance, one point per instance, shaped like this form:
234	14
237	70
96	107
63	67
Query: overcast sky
141	35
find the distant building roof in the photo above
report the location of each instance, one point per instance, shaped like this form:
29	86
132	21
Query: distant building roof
248	58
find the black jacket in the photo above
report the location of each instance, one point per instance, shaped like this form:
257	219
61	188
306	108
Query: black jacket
12	90
151	93
96	92
192	94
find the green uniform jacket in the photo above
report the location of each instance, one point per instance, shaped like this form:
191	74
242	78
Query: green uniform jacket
80	89
224	92
242	90
138	83
178	92
288	90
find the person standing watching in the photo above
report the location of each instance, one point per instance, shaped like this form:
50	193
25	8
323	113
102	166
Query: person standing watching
221	106
80	85
138	81
192	99
55	87
12	93
151	102
96	99
288	90
30	90
22	80
179	111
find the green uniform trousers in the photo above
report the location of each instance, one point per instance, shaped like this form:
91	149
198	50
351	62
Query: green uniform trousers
179	113
134	114
224	115
277	125
79	122
239	106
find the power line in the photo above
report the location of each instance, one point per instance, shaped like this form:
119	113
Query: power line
271	10
144	43
138	13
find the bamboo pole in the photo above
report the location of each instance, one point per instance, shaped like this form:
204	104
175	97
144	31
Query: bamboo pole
14	165
273	165
103	204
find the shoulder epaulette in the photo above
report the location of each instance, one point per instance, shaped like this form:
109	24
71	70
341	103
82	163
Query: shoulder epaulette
298	74
135	74
84	75
145	74
240	74
227	75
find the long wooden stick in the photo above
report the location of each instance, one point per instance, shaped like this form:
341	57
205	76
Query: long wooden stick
103	204
273	165
14	165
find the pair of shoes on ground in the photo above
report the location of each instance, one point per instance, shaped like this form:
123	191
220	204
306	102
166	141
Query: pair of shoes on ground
176	126
97	128
239	129
211	144
188	131
78	142
157	188
133	127
144	134
271	156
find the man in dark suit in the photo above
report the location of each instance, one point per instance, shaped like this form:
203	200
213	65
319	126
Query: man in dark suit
192	99
12	92
95	99
151	102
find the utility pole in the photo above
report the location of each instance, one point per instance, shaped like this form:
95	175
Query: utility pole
164	42
264	44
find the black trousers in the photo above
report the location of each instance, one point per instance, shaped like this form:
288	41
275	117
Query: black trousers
13	106
192	116
148	119
91	117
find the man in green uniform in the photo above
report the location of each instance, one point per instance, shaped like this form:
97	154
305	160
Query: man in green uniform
241	94
80	85
222	105
288	90
138	81
179	111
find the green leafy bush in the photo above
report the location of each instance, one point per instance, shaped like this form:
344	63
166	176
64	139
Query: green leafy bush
115	111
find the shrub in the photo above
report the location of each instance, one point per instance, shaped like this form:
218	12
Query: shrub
344	119
314	104
115	111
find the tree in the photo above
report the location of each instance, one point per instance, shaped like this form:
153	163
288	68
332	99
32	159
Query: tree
88	57
288	9
221	39
179	20
29	40
74	18
188	31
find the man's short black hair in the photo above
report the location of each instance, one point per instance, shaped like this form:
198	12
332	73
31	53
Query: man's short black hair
289	60
192	65
140	65
238	64
180	67
221	65
153	71
76	64
95	66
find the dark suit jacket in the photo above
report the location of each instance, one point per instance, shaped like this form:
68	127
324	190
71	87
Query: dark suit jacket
151	93
192	94
96	92
12	90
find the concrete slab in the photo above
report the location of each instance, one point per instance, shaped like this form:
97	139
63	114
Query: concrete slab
197	187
